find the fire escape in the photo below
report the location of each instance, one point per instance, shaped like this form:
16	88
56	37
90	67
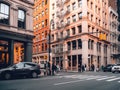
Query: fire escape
61	48
114	41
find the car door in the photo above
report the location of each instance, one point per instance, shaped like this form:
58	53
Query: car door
27	68
18	71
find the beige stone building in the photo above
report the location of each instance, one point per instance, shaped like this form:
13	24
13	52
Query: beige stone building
16	31
80	33
114	33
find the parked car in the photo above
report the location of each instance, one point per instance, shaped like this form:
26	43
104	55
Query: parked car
116	68
108	68
20	69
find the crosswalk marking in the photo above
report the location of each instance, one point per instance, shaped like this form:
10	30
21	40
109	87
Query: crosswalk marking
113	79
118	81
93	77
105	78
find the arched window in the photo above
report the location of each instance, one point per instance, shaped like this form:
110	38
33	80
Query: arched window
21	18
4	13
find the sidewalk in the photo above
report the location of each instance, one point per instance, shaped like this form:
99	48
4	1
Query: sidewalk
69	72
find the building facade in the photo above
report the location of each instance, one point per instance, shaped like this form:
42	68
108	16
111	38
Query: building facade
16	31
41	30
80	33
114	33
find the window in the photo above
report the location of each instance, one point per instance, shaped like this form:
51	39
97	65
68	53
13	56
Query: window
80	15
4	13
42	47
42	23
89	43
74	6
42	3
73	31
74	45
61	34
46	2
79	44
92	44
79	3
46	11
68	32
19	65
42	13
69	45
53	6
79	29
74	18
46	22
21	18
91	5
74	61
68	7
68	20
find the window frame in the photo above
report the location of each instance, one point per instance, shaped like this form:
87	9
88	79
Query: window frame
23	27
8	22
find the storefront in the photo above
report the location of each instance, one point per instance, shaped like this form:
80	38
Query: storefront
14	48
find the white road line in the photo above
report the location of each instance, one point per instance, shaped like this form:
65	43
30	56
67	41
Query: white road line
68	82
113	79
105	78
94	77
118	81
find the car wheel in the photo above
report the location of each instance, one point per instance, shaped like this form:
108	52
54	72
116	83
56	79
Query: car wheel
7	76
34	75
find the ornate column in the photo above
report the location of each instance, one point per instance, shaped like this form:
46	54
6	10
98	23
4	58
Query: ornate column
11	52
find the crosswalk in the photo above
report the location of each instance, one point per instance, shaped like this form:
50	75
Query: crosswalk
93	77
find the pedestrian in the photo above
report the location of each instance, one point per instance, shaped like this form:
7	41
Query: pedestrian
83	68
45	68
79	67
58	68
54	68
48	68
92	67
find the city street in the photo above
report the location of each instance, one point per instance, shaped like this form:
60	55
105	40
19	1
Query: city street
66	81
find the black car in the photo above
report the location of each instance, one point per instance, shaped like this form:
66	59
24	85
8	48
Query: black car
108	68
20	69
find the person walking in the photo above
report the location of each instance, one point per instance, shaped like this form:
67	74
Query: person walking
83	68
48	68
92	67
54	68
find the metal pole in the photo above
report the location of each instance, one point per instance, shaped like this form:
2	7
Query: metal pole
49	46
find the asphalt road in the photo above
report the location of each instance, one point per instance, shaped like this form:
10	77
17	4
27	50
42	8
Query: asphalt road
66	81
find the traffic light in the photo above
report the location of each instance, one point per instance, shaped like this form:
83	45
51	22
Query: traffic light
102	36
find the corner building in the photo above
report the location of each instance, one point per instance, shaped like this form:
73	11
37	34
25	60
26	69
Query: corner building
41	31
16	31
79	33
